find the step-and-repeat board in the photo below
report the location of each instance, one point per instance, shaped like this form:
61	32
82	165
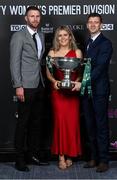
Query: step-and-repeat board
54	13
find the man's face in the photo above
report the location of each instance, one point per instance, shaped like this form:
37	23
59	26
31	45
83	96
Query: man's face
33	19
94	25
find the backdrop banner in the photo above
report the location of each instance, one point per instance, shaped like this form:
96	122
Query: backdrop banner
54	13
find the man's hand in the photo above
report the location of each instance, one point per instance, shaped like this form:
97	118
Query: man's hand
77	86
20	94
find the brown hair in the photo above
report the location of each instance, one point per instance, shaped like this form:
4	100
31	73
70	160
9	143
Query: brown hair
35	8
95	15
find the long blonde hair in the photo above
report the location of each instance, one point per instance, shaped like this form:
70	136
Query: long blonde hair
72	44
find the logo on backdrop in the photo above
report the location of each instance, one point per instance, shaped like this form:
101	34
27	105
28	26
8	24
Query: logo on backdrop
76	27
17	27
47	28
107	27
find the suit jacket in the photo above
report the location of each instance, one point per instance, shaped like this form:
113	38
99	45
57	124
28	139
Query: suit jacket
100	53
24	63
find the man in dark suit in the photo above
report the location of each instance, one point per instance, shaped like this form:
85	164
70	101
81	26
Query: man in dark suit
95	108
26	50
99	49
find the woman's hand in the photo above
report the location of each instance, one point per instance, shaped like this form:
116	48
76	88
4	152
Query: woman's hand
56	84
77	86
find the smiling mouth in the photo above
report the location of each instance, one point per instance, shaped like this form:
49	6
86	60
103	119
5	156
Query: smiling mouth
93	29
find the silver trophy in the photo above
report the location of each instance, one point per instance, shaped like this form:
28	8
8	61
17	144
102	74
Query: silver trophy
67	65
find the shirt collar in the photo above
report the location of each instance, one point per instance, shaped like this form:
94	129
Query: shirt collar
31	31
94	37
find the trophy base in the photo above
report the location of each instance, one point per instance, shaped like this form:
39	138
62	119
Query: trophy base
65	85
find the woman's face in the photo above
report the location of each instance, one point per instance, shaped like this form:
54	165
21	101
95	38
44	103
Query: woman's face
64	38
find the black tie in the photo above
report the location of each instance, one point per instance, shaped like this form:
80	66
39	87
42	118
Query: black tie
90	43
35	41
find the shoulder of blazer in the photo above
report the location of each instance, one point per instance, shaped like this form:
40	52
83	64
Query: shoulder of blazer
20	34
41	34
24	32
103	39
18	37
100	40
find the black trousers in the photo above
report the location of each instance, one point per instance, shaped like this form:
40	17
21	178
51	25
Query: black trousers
96	118
29	127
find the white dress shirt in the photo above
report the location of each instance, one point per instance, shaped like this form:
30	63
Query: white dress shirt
39	44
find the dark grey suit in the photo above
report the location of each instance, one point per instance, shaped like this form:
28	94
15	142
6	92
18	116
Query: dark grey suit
26	72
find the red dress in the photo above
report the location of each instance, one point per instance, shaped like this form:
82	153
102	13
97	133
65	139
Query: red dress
66	129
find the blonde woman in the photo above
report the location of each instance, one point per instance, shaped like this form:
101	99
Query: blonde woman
65	103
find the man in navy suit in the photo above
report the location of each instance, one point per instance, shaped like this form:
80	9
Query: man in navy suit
99	49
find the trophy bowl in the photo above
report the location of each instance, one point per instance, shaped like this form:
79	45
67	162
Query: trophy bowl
67	65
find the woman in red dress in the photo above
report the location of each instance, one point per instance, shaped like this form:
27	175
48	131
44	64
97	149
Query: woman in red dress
65	103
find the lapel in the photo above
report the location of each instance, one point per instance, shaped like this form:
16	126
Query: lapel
97	40
42	40
30	39
95	44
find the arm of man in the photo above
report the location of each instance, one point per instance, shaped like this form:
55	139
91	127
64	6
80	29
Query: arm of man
102	60
16	46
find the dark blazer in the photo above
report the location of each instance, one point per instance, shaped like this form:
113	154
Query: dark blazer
24	63
100	53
